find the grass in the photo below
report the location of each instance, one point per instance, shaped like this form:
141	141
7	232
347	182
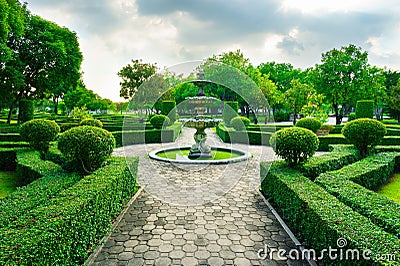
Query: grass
7	183
392	188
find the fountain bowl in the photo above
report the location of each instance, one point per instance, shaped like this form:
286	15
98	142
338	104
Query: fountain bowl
219	155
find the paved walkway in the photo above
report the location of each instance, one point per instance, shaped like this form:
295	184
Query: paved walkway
165	226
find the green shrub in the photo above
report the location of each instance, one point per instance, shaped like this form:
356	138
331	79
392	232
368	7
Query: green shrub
10	137
240	123
63	226
39	133
230	111
26	110
8	159
321	219
295	145
351	186
351	117
160	121
339	157
86	145
365	109
280	116
364	134
168	108
91	122
80	113
312	124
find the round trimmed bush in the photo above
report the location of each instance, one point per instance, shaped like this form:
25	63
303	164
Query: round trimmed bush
240	123
364	134
160	121
312	124
88	146
230	111
39	133
91	122
295	144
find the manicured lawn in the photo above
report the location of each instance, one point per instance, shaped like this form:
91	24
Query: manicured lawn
7	183
392	188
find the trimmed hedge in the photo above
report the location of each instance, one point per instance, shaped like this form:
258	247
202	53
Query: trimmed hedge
365	109
10	137
240	123
160	121
230	111
19	144
325	141
340	156
350	184
8	159
169	134
230	135
320	218
312	124
68	227
168	108
91	122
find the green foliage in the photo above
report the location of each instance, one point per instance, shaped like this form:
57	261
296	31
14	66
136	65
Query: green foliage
351	117
57	218
339	157
168	108
309	123
39	133
230	111
351	186
364	134
26	110
256	137
365	109
80	113
86	145
240	123
10	137
8	159
160	121
91	122
320	217
295	145
133	75
393	101
280	116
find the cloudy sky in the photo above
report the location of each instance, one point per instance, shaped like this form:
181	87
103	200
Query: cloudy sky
168	32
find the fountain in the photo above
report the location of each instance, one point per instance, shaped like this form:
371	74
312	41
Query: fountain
200	152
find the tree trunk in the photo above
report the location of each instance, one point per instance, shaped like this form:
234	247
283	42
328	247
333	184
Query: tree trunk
55	101
338	116
13	104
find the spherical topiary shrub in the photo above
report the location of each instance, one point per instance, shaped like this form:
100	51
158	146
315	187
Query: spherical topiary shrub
159	121
240	123
295	144
88	146
364	134
39	133
309	123
91	122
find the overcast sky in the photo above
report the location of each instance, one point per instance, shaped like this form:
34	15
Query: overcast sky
168	32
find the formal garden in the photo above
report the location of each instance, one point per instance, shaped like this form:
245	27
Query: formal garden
63	188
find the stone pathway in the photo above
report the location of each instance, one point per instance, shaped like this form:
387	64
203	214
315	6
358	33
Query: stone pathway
227	228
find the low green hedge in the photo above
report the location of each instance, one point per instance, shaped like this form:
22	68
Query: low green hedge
247	137
387	148
8	159
320	218
10	144
340	156
68	227
392	132
10	137
325	141
348	185
169	134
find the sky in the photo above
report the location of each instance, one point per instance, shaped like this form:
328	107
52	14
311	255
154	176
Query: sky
168	32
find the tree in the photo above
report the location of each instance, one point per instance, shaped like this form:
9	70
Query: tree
298	96
280	73
340	77
393	101
42	61
392	79
133	75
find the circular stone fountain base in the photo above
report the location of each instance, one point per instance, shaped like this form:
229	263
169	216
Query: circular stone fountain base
219	155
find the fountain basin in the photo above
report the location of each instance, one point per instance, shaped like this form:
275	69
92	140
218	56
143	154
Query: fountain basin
219	155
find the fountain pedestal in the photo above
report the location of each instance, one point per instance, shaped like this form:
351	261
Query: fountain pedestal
200	149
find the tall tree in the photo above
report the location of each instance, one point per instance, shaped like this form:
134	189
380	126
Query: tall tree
280	73
340	77
393	101
133	75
